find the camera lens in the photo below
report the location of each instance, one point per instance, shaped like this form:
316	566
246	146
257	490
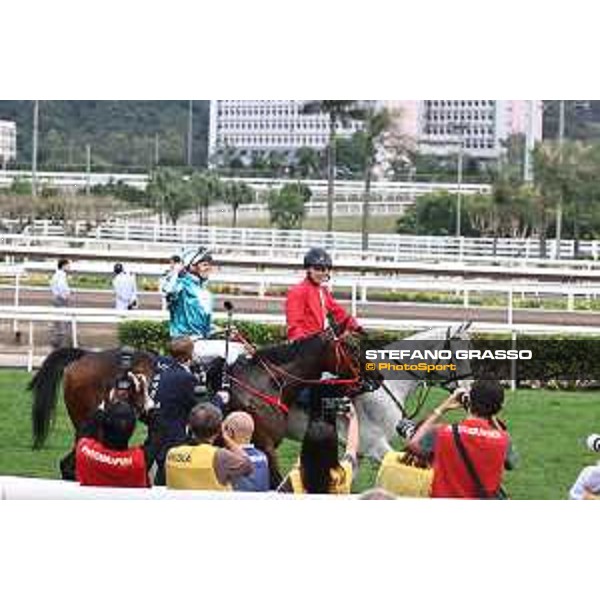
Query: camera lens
593	442
406	428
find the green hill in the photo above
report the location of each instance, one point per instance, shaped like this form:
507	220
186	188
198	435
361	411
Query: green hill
121	133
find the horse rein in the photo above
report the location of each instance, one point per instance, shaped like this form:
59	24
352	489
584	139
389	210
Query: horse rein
281	377
423	384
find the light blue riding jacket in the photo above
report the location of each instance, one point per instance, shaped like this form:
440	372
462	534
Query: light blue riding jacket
190	304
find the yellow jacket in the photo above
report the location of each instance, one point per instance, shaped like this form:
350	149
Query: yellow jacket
193	468
341	479
401	479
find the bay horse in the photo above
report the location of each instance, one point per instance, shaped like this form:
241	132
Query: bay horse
264	385
380	411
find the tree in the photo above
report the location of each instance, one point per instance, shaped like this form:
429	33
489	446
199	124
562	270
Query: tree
259	162
276	162
571	177
377	124
286	206
338	112
169	193
236	193
308	162
207	189
433	214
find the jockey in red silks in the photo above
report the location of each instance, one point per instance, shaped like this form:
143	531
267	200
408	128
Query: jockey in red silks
310	304
311	308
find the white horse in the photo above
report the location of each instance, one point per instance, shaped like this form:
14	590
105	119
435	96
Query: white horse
377	412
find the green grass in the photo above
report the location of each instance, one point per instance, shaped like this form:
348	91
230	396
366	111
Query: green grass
547	429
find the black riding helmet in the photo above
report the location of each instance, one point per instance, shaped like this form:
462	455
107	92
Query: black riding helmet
317	257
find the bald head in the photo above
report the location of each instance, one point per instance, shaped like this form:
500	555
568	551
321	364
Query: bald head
240	426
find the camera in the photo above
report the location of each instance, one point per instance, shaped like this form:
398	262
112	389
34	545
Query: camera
123	383
331	408
339	406
593	442
406	428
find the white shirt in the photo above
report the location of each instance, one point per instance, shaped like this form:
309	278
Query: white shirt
125	290
59	285
589	479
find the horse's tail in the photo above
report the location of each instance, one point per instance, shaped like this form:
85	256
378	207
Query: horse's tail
44	386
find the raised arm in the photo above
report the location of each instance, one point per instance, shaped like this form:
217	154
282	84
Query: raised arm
170	284
353	437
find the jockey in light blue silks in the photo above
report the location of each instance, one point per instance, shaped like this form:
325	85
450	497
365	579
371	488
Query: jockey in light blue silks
190	304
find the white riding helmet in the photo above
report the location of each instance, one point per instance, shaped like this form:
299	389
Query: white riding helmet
193	256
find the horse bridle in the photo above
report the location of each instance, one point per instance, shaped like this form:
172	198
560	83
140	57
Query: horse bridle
423	382
281	377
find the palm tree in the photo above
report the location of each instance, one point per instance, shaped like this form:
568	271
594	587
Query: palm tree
235	194
308	161
377	124
338	112
169	193
206	189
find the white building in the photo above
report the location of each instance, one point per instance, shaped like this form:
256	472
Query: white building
439	126
8	142
265	125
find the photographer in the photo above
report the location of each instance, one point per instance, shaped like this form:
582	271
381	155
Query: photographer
469	457
173	390
587	484
199	464
320	471
102	454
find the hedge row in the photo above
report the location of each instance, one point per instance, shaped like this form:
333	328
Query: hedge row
154	336
574	361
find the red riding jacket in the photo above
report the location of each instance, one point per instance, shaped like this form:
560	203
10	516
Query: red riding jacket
306	309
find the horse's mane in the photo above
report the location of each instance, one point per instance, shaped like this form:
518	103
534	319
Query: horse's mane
289	351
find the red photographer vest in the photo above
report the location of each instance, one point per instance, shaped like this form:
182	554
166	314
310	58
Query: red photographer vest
97	465
487	448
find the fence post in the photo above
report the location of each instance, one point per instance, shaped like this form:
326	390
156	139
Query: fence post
363	292
510	305
16	302
30	350
354	298
74	331
466	297
570	301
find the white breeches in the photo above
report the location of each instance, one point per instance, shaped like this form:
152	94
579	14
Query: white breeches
204	349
